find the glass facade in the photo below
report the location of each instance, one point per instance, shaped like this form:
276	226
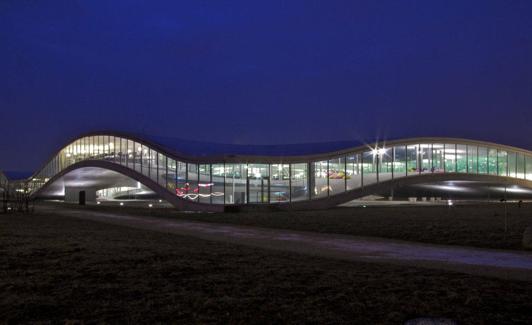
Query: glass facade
369	167
525	168
259	183
502	163
353	174
319	179
262	183
399	163
472	159
205	183
412	163
385	164
437	158
280	183
299	182
336	175
450	158
425	157
461	158
218	181
482	160
167	176
512	164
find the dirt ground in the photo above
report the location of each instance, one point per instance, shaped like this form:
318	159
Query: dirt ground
480	225
56	269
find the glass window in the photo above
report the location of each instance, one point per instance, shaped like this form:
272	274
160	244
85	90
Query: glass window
412	159
482	160
259	180
353	175
502	167
123	151
85	147
521	164
108	144
138	157
96	144
90	147
167	173
425	157
492	161
461	158
192	181
95	152
116	147
104	141
527	168
101	144
62	159
235	183
229	187
299	182
369	168
107	149
320	181
75	146
54	165
146	161
205	184
437	158
82	148
110	148
399	162
450	158
131	154
162	173
181	179
218	183
72	151
385	164
77	149
336	175
472	159
70	155
153	165
512	164
280	180
97	148
101	152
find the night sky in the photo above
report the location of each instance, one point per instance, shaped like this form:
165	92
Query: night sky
270	72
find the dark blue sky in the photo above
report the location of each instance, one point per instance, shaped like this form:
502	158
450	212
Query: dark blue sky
271	72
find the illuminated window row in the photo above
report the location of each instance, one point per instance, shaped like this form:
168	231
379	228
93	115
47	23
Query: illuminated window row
241	183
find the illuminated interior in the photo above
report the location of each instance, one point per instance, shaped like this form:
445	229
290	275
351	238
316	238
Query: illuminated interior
281	180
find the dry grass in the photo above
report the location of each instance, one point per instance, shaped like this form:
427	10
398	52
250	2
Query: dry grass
467	225
55	269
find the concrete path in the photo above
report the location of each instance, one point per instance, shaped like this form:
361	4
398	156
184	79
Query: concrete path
489	262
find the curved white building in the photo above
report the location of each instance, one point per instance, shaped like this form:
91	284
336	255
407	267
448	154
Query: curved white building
115	162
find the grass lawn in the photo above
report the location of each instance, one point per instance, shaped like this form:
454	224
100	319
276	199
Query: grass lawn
56	269
467	225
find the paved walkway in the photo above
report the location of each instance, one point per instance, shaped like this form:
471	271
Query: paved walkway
489	262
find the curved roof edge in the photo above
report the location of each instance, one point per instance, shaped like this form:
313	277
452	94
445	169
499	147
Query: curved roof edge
177	147
275	158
